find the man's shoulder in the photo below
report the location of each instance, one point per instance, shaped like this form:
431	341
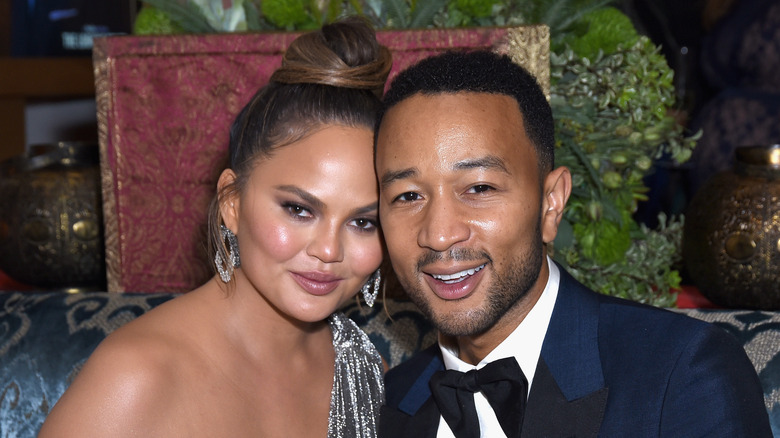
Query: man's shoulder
701	368
625	326
622	317
692	373
630	331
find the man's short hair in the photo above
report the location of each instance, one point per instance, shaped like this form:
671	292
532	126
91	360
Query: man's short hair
481	71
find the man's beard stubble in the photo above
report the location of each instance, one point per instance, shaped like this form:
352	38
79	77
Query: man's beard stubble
504	292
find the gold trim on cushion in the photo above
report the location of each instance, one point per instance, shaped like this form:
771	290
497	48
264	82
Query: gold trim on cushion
110	223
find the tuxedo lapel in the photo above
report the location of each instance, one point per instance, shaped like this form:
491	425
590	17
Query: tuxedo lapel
549	413
571	344
568	394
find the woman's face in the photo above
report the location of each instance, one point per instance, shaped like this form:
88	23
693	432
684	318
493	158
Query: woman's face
306	223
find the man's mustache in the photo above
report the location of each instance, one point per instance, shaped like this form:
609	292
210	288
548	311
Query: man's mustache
456	255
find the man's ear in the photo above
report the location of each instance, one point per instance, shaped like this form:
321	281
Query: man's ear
557	188
228	200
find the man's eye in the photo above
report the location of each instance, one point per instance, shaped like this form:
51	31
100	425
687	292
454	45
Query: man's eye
480	188
407	197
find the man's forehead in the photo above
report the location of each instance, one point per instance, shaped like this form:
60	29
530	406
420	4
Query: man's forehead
431	117
448	108
453	133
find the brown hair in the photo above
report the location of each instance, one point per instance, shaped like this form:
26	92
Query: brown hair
332	76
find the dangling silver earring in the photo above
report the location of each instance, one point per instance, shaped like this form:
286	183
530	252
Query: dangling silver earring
371	288
226	269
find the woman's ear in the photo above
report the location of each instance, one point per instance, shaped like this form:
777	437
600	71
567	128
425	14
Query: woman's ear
228	200
557	188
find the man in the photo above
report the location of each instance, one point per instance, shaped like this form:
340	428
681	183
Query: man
469	198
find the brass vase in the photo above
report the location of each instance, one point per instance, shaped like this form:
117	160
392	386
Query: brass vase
731	239
51	218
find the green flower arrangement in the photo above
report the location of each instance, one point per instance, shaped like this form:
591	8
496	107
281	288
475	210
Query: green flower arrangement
611	94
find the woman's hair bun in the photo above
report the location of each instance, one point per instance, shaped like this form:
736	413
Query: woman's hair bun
342	54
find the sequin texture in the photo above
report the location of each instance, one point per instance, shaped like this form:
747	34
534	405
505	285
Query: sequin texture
358	386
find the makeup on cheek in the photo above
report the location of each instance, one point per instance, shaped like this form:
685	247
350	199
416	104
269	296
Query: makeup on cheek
280	241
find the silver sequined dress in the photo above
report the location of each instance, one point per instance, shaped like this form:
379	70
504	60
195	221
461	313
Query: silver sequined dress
358	386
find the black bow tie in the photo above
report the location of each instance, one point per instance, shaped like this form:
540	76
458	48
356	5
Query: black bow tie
504	386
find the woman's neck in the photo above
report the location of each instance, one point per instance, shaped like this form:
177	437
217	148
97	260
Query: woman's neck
253	324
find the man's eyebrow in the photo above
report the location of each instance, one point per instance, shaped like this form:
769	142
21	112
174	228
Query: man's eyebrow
390	177
487	162
310	199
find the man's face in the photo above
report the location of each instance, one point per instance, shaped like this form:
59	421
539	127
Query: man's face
461	207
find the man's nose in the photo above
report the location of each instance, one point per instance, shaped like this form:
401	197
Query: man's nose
444	224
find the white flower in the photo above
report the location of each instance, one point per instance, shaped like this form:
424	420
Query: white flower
223	19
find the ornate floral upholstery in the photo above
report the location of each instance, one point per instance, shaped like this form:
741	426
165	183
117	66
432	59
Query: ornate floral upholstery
46	338
165	104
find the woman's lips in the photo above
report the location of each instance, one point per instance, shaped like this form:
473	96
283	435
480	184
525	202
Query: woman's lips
316	283
456	285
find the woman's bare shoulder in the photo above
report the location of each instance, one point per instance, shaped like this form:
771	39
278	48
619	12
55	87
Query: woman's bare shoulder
126	384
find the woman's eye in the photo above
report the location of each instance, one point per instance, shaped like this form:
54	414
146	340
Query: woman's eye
407	197
364	224
297	211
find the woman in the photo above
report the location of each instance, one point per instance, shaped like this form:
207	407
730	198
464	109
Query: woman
258	350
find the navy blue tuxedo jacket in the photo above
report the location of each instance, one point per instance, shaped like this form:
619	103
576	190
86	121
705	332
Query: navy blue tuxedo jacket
610	368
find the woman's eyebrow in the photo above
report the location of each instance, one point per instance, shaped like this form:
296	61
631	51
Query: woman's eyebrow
316	203
312	200
370	208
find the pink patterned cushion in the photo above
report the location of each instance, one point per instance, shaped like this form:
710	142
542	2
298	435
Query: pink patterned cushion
165	105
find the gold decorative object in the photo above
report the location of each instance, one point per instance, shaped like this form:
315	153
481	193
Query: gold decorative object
529	46
731	240
51	218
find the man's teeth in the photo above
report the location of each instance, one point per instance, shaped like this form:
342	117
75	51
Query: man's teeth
458	276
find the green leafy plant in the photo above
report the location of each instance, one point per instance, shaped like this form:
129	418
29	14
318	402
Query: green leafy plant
612	120
186	16
611	94
151	21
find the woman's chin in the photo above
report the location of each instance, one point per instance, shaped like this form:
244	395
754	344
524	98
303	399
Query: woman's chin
317	311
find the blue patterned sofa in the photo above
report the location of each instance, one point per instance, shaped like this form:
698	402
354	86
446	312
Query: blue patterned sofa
46	337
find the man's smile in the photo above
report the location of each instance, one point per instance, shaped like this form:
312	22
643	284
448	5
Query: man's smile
458	276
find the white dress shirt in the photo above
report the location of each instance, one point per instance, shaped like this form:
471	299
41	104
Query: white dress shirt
524	344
